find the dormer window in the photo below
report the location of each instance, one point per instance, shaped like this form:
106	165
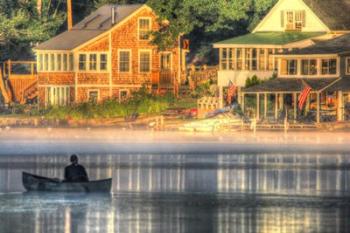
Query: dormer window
144	28
293	20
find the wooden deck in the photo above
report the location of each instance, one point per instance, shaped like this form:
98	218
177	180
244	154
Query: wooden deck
19	81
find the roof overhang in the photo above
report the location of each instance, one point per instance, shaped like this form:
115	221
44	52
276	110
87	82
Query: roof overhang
306	55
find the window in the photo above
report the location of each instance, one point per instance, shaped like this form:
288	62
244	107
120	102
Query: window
123	95
329	66
124	61
46	62
103	62
145	61
93	62
165	61
292	67
309	67
71	62
57	95
295	20
52	62
348	66
289	67
224	59
270	53
239	59
93	96
82	62
65	62
59	62
144	28
248	57
254	59
262	61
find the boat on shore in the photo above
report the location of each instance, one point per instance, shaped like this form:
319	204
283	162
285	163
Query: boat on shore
43	184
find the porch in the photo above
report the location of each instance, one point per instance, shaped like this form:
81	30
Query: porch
163	81
19	81
277	100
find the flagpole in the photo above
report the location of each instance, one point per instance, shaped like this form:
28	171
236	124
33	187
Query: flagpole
69	15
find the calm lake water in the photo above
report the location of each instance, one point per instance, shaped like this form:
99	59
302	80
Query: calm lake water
184	193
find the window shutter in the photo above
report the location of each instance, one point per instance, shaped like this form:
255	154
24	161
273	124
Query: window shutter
303	18
282	19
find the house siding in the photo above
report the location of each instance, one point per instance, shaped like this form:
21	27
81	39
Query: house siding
272	22
109	84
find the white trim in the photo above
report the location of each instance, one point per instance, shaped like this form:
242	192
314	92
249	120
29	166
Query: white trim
272	11
138	27
98	64
49	62
61	96
130	61
122	90
279	56
318	64
347	63
94	90
171	59
150	60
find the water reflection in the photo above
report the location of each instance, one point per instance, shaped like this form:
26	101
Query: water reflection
180	193
133	213
297	174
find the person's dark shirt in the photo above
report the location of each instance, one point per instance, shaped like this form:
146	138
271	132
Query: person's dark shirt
75	173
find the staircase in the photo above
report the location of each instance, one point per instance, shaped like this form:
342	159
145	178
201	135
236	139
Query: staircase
30	93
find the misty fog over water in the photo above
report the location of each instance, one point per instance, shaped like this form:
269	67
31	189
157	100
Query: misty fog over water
179	183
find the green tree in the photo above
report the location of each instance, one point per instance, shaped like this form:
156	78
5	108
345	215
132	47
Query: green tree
22	26
206	21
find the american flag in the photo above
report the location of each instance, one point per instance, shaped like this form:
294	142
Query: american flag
303	96
231	92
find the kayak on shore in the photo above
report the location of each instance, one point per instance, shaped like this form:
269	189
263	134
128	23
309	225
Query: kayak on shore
43	184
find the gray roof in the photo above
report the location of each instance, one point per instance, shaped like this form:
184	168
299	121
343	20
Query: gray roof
334	13
93	25
334	46
341	85
290	85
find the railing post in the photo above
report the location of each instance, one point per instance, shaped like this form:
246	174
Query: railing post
9	68
32	68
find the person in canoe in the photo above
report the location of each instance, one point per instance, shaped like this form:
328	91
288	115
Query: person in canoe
75	172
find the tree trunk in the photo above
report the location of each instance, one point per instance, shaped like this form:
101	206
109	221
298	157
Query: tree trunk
39	5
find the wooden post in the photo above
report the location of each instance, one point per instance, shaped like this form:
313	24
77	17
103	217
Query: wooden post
340	106
318	108
295	105
9	67
265	105
276	106
243	102
221	96
69	15
32	69
258	106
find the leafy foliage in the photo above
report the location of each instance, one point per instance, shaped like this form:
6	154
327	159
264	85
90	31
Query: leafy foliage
141	103
23	24
252	81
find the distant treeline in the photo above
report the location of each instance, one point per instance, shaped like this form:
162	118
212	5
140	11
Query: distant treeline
23	24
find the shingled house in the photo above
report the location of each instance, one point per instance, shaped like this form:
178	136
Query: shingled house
290	24
109	54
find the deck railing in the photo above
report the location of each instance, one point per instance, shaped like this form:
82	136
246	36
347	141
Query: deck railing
19	68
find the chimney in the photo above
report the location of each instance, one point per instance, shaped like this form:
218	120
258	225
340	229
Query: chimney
114	14
69	14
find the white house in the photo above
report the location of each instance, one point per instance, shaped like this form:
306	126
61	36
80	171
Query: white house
290	24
